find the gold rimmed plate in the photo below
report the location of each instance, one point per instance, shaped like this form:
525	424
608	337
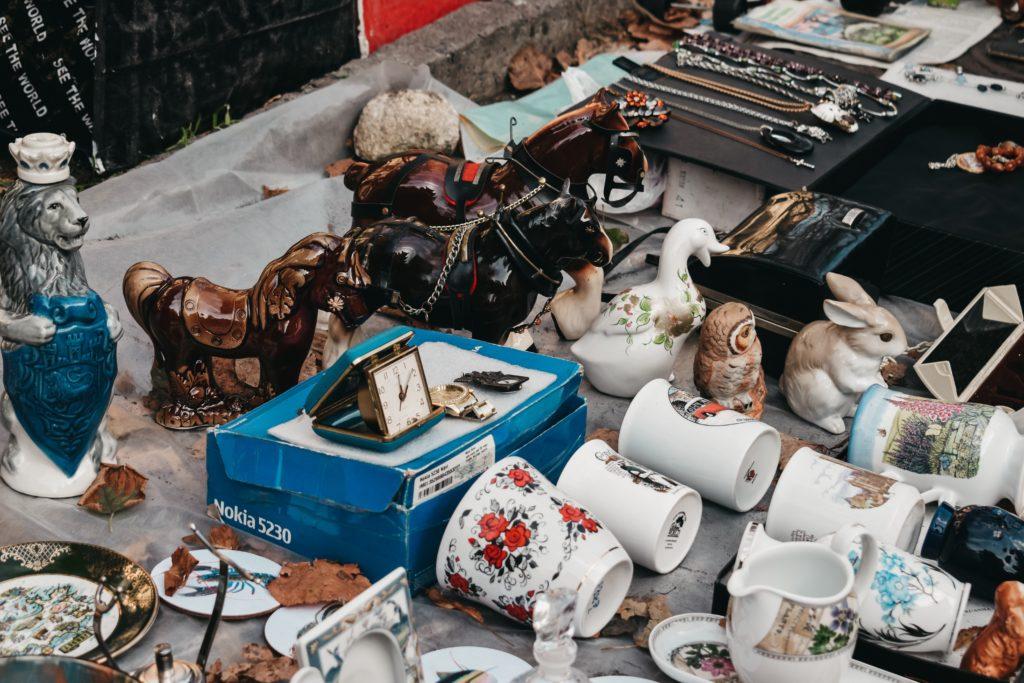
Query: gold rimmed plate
47	592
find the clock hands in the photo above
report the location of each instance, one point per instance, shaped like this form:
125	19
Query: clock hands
403	390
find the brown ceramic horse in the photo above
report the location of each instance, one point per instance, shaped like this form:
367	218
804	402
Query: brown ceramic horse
190	320
594	138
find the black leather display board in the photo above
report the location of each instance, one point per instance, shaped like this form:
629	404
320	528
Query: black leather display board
703	147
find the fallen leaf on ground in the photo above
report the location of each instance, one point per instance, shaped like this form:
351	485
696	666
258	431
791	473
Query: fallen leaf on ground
261	665
681	18
791	444
966	636
530	69
638	615
609	436
221	536
307	583
585	49
564	59
116	488
435	596
182	564
269	192
338	167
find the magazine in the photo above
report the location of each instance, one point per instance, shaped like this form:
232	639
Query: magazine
831	28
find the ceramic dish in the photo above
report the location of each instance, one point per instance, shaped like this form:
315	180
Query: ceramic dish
620	679
65	669
692	648
285	625
476	664
46	600
244	599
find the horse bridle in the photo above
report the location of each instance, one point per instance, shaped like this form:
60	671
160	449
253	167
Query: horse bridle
618	157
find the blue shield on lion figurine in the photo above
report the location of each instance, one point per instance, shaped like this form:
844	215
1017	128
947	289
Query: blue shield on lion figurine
60	390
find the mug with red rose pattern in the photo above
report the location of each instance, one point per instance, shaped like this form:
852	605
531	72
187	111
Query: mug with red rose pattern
515	535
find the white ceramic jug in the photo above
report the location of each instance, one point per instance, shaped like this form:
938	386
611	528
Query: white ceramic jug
794	609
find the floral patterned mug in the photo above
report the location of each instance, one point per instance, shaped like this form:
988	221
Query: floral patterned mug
913	606
966	453
515	535
794	609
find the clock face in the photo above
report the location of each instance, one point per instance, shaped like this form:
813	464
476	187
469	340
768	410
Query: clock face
402	394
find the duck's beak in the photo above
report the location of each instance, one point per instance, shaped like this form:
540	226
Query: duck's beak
705	252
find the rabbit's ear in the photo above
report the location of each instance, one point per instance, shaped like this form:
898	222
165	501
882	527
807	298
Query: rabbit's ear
846	314
847	289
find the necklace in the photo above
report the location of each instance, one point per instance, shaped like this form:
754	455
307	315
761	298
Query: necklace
844	96
783	139
739	93
796	161
709	44
814	132
1006	157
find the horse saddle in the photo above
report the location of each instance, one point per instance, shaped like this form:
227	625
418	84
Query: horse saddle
214	315
464	182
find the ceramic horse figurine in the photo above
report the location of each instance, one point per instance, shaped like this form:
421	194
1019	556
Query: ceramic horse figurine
190	320
59	337
484	278
642	329
440	190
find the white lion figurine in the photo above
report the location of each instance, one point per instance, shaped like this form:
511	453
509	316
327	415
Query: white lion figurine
42	228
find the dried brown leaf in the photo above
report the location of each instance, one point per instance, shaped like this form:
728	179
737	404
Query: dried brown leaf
307	583
115	488
269	192
638	615
338	167
564	59
680	19
182	564
791	444
609	436
966	636
444	602
656	45
585	49
529	69
223	536
261	665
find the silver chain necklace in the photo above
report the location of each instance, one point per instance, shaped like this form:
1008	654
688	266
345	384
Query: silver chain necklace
814	132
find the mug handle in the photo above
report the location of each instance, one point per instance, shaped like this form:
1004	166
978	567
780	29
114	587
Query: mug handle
841	542
939	495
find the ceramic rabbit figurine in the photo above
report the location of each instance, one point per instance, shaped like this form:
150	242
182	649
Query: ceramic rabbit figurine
832	362
641	331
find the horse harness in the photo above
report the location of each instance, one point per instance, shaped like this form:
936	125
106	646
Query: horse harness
458	276
464	184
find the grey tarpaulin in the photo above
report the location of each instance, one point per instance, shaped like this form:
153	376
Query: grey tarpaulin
199	211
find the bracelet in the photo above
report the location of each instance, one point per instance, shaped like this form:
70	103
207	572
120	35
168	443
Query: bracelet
1005	157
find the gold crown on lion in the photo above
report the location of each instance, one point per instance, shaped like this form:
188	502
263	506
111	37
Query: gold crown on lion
42	158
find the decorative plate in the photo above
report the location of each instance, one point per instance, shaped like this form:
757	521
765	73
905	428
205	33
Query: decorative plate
37	668
244	599
370	638
285	625
692	648
471	665
46	600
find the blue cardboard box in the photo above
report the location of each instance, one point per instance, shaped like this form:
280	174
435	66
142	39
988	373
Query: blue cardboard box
382	517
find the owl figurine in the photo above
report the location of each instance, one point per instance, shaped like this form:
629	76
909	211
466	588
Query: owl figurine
727	367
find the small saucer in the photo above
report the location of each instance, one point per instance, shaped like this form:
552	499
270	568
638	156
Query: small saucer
244	598
692	648
476	664
285	625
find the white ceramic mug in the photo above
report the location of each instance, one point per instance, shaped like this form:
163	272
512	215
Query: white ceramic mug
817	494
794	610
914	606
961	453
515	535
727	457
655	518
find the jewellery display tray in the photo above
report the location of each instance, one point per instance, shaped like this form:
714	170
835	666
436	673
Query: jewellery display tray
951	233
893	661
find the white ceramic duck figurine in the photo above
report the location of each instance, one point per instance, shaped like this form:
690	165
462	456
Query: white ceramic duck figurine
575	309
639	334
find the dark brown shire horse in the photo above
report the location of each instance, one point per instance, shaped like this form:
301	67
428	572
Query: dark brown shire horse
440	190
483	278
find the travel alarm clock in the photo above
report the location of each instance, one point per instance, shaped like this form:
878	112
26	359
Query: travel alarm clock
375	396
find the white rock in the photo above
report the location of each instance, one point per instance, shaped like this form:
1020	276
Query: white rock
406	119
